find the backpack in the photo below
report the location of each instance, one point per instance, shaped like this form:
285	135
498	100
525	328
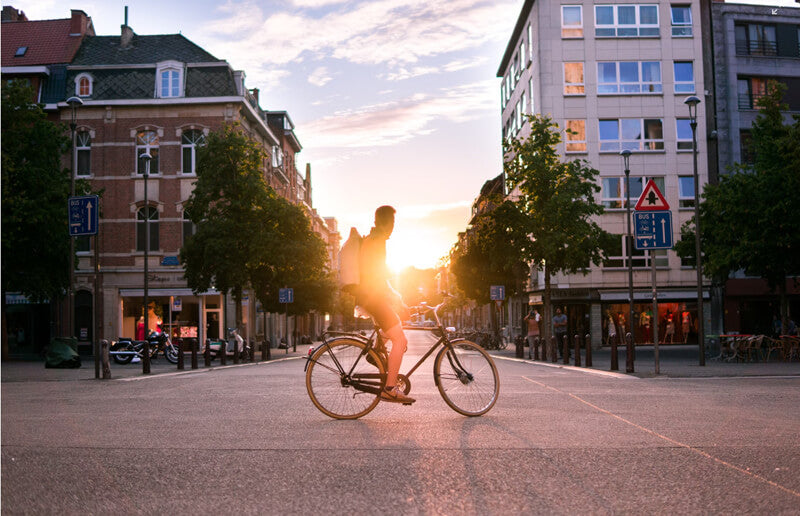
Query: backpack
349	268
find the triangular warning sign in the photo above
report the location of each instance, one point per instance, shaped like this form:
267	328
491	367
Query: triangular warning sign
651	199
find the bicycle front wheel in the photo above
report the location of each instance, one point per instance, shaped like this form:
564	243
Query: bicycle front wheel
341	382
467	378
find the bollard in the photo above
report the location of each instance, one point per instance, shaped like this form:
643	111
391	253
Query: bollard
223	352
565	349
576	342
264	349
544	349
180	353
294	343
207	353
614	355
104	357
553	349
252	353
519	344
236	351
194	345
629	353
146	357
588	342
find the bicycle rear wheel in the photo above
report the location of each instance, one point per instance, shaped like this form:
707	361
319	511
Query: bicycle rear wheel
341	382
467	378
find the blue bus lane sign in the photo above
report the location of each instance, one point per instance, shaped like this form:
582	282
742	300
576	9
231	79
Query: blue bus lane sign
653	230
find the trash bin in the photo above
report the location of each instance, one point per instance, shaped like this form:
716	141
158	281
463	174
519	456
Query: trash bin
520	345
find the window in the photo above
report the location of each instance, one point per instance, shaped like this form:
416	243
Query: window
617	255
625	21
83	150
613	190
756	40
522	54
190	141
170	83
571	21
147	142
530	43
20	51
189	228
634	134
576	135
751	89
83	85
629	77
515	70
686	191
140	228
573	79
746	151
683	130
681	20
684	76
277	157
530	89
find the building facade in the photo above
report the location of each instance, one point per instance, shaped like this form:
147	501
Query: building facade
750	45
616	74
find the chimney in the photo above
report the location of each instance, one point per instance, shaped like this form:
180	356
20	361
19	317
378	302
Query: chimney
126	38
254	92
78	23
10	14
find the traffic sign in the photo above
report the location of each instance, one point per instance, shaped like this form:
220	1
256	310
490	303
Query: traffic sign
651	199
286	295
497	292
653	229
83	219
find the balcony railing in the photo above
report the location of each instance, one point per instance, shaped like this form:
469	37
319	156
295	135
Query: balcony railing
757	48
749	101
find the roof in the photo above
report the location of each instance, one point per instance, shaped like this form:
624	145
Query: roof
512	43
106	50
47	42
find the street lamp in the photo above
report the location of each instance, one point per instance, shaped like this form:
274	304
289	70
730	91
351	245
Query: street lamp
626	158
73	103
692	102
146	356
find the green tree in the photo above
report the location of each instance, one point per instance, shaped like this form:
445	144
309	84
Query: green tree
557	200
229	204
750	221
35	189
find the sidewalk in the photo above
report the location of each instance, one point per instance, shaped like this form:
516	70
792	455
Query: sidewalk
675	361
34	371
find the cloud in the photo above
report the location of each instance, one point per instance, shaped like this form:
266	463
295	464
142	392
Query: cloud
320	76
393	122
396	33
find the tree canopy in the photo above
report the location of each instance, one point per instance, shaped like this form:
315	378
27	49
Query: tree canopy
750	221
557	201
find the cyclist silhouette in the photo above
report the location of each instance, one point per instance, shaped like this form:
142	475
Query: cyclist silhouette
377	297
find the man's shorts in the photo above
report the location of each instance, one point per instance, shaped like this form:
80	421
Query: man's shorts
382	312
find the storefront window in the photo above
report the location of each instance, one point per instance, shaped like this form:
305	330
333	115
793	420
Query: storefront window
677	322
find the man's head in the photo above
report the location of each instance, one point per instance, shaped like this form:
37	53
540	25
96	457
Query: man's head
558	311
384	220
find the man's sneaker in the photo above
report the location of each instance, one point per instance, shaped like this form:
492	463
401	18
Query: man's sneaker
395	395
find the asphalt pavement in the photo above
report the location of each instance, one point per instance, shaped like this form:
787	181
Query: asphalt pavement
245	439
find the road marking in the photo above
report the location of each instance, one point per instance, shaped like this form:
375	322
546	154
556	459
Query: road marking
198	371
764	377
669	440
609	374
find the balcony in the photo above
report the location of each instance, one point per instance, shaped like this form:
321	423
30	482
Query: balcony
749	101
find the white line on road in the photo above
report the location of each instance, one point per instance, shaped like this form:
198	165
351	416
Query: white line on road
672	441
565	367
198	371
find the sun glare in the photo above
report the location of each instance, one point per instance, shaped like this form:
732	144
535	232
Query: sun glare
414	247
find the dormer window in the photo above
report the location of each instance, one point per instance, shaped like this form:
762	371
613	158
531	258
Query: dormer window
169	80
83	85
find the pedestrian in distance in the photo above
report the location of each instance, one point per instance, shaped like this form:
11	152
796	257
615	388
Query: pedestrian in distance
560	329
532	322
376	295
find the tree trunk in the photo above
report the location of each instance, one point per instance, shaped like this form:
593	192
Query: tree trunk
784	304
547	327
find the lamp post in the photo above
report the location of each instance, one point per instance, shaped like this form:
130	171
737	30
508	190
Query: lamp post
73	103
692	102
626	158
146	356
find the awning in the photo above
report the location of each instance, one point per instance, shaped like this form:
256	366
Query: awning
667	295
163	292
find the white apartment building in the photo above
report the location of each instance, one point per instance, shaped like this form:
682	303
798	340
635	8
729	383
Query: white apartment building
617	74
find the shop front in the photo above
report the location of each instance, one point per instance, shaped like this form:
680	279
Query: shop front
177	311
676	317
28	327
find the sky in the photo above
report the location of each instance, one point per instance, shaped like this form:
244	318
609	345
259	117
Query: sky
394	101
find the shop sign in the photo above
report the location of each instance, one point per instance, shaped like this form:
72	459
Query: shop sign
177	304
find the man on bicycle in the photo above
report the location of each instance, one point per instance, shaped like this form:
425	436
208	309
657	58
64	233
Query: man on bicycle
377	297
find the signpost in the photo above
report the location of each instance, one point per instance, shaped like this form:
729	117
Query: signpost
286	296
653	231
497	292
84	220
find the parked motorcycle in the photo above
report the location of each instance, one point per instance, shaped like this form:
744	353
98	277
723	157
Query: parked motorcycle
159	342
244	348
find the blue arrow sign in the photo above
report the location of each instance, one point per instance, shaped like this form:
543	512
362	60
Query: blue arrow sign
83	215
653	229
286	295
497	292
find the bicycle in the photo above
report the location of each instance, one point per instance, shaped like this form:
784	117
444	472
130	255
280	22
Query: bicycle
347	373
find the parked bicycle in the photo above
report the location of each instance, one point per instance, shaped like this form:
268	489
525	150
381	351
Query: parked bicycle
125	349
488	340
347	372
